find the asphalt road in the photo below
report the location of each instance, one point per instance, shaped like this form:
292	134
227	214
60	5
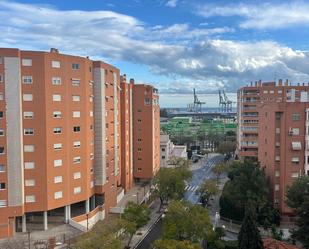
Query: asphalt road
199	176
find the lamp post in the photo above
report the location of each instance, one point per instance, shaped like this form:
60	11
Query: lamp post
87	215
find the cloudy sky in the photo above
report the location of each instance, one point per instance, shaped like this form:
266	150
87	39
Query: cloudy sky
174	44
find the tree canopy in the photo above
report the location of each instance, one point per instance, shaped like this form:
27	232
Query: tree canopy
247	184
206	191
186	222
298	199
174	244
134	217
170	183
249	236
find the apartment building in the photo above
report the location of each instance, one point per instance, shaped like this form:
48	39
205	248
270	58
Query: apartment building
146	131
169	150
273	125
63	123
126	133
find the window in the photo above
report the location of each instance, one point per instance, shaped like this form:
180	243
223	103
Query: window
27	79
2	168
55	64
163	157
57	179
147	101
1	150
57	114
1	114
57	162
277	187
163	149
76	159
30	198
58	195
139	120
29	183
91	156
91	113
295	116
56	80
28	131
29	165
1	78
77	175
1	94
1	60
2	203
56	97
2	132
77	190
28	148
295	159
2	185
277	130
296	145
295	175
75	82
277	173
76	114
75	66
58	146
28	115
57	130
295	131
26	62
27	97
76	144
76	128
75	98
139	149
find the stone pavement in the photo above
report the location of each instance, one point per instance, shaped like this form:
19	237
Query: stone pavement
20	240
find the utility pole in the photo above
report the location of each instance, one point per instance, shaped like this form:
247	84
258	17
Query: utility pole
29	240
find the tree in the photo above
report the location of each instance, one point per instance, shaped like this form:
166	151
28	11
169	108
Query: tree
170	183
249	236
219	169
185	221
174	244
298	199
247	184
227	148
102	236
206	191
134	217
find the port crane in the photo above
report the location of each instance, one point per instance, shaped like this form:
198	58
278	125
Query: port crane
196	106
225	104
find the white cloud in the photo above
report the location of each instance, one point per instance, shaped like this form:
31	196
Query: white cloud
172	3
261	15
189	56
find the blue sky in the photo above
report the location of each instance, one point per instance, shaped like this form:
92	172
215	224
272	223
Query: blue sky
174	44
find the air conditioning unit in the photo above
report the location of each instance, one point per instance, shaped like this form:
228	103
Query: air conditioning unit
290	131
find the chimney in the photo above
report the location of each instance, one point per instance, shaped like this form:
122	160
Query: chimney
260	83
132	81
303	84
298	84
251	83
54	50
255	83
286	82
280	82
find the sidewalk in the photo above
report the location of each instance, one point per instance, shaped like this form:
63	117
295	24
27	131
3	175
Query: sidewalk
154	217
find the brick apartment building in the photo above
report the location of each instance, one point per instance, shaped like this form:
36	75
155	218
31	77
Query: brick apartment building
273	125
67	130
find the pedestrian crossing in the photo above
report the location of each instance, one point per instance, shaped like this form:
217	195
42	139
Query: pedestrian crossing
191	188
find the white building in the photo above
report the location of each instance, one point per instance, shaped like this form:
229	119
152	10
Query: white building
168	150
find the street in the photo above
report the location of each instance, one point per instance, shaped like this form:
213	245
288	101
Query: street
198	176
